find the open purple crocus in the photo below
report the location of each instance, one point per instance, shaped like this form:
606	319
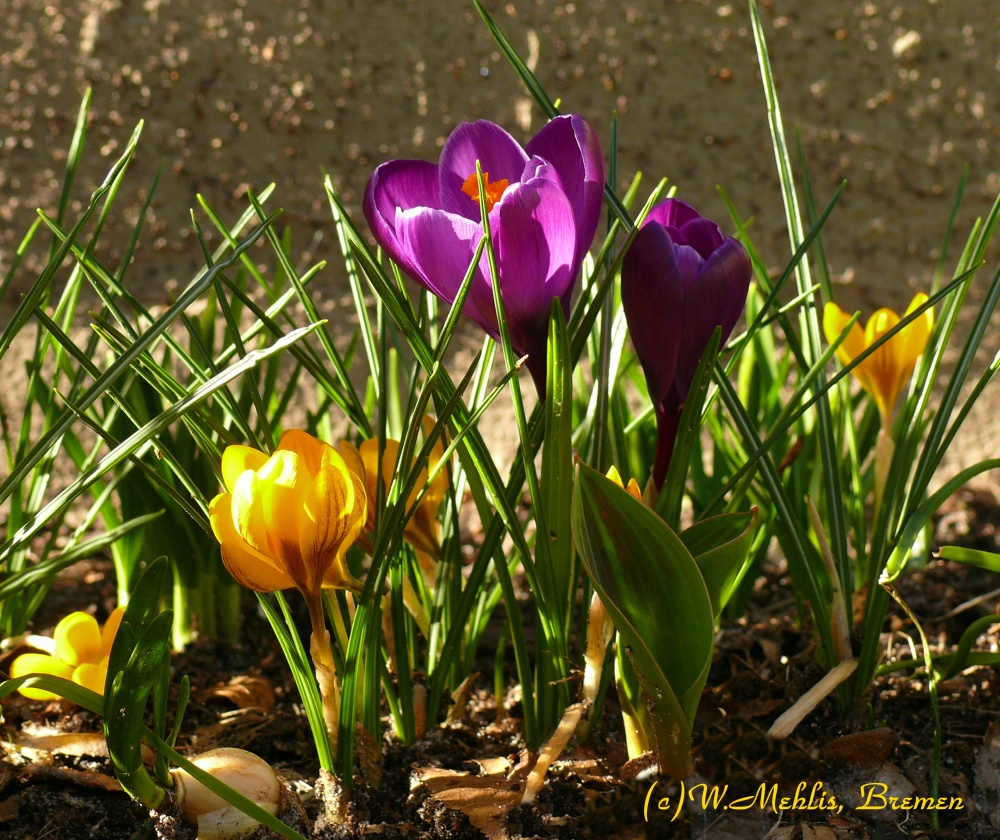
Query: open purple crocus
680	280
544	204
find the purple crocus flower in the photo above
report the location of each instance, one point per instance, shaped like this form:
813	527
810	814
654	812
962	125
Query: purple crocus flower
544	204
680	280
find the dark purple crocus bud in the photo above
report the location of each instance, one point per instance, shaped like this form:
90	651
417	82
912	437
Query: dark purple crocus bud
680	280
544	203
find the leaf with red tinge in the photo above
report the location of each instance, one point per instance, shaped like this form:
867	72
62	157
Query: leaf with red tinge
658	601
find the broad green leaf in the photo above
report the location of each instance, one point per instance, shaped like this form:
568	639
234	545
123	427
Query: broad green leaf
720	546
658	601
126	692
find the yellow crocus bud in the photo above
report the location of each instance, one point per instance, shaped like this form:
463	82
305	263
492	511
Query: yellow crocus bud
77	638
422	529
884	373
633	485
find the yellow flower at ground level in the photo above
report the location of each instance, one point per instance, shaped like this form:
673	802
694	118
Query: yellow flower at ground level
885	372
288	519
81	650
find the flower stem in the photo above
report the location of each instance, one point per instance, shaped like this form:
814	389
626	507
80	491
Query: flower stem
600	630
667	423
638	728
326	672
884	449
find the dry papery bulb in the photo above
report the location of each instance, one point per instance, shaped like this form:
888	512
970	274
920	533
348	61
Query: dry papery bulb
241	770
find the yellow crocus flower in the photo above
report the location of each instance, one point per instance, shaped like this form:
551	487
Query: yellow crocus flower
885	372
288	519
422	530
80	653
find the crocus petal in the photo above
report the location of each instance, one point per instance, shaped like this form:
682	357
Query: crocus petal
359	514
689	262
672	213
337	574
328	511
309	449
633	485
421	527
882	367
249	569
39	663
535	242
91	676
703	235
914	337
283	484
498	153
538	167
653	296
78	639
369	455
335	515
421	532
247	565
834	321
444	244
109	631
731	265
573	149
398	185
236	460
716	298
247	514
352	458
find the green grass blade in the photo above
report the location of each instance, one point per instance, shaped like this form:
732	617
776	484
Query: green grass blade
41	285
123	364
121	452
799	550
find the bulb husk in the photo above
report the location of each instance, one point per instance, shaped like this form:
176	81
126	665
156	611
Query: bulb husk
243	771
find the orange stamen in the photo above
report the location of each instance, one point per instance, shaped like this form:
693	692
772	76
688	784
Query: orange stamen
494	191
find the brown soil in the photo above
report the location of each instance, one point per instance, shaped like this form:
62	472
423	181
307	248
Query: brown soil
763	664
